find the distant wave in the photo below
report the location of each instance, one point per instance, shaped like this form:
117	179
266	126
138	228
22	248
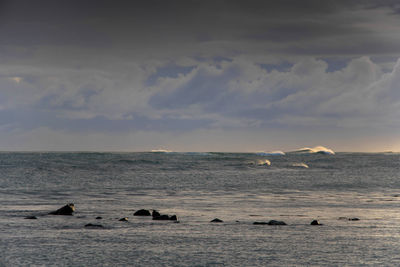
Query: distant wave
161	151
271	153
300	165
317	149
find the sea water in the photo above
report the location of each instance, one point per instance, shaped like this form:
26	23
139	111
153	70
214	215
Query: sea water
198	187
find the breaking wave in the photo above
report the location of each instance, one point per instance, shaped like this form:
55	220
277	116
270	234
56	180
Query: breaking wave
300	165
317	149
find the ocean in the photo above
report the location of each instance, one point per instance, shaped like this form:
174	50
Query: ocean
238	188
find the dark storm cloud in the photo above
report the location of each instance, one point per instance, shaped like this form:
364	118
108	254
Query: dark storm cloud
139	23
95	66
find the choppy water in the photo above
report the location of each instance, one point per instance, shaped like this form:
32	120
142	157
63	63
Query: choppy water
198	188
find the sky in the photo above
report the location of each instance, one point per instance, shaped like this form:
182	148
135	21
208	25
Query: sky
199	75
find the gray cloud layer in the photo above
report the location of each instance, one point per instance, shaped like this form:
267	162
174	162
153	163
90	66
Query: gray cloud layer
152	71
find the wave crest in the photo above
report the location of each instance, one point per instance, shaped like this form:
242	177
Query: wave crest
316	149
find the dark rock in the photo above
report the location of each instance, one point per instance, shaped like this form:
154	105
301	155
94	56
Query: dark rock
315	222
273	222
216	220
354	219
99	218
142	212
66	210
173	218
155	214
260	223
91	225
31	217
162	218
123	219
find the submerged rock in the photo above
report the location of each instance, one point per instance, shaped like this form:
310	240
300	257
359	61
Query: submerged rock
31	217
91	225
99	218
273	222
66	210
315	222
125	219
216	220
354	219
349	219
142	212
165	217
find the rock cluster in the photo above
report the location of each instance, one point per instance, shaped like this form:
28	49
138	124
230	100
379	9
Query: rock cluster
156	215
70	208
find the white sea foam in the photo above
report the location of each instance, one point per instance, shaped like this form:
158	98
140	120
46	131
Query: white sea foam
300	165
161	151
260	162
263	162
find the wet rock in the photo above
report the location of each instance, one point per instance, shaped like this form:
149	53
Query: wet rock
92	225
66	210
273	222
216	220
99	218
142	212
162	218
31	217
260	223
315	222
125	219
155	213
165	217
